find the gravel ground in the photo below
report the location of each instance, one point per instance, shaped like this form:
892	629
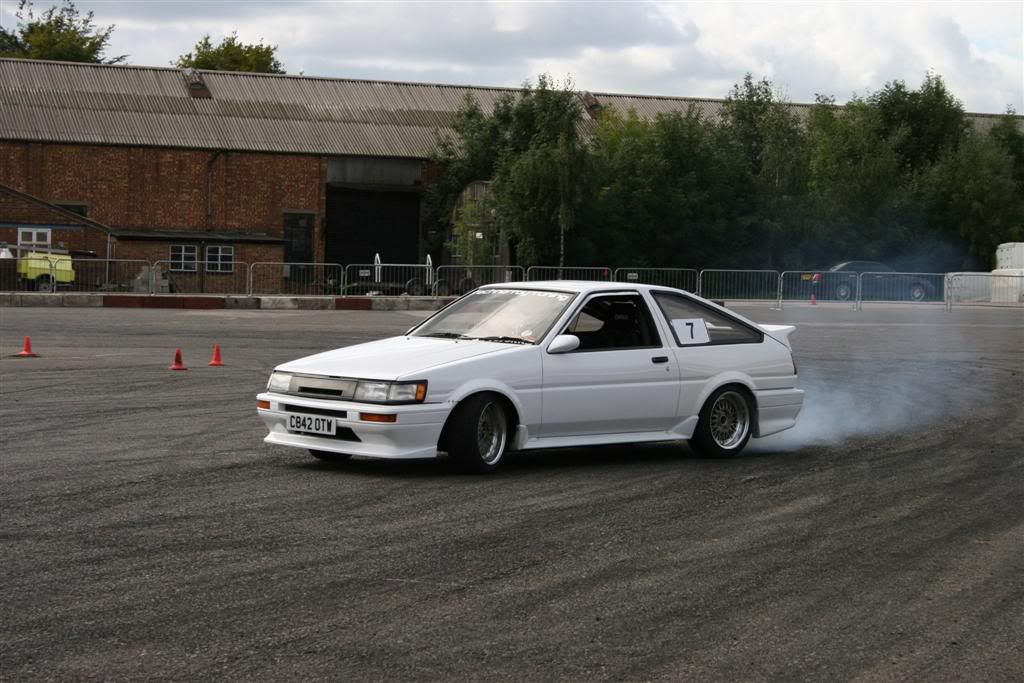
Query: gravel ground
147	532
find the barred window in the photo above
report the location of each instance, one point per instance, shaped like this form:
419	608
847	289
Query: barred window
183	257
220	259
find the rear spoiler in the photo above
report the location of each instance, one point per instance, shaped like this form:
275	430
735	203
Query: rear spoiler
780	333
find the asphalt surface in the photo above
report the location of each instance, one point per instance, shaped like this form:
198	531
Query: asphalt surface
147	532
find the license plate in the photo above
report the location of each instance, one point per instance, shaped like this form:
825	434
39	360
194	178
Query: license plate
311	424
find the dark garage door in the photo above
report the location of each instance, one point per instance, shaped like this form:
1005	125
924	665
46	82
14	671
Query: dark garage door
361	223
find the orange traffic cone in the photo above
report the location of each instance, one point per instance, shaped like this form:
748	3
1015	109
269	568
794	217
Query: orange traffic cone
216	362
814	299
26	351
178	363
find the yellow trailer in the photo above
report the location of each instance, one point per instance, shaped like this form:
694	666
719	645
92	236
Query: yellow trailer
46	271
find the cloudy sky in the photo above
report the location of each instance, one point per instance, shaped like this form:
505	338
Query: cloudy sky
663	48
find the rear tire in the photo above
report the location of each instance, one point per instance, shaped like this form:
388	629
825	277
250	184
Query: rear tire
725	423
328	456
44	284
477	434
918	292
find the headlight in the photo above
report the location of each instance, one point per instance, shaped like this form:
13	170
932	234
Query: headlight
408	392
279	381
388	392
372	391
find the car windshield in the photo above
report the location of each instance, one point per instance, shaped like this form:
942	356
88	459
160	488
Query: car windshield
515	316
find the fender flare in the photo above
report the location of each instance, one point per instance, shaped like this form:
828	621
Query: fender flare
720	380
476	386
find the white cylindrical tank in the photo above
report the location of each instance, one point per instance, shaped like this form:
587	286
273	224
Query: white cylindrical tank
1010	255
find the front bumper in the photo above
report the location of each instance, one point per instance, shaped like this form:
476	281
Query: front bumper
414	434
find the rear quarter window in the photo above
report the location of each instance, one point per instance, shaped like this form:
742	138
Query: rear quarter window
722	329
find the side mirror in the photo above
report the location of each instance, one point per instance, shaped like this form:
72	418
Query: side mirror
564	343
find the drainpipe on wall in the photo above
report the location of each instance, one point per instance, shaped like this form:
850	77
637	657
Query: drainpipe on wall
209	189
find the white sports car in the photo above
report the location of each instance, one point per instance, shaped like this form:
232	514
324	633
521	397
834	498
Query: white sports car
542	365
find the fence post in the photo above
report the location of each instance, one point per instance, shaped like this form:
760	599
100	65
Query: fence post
700	283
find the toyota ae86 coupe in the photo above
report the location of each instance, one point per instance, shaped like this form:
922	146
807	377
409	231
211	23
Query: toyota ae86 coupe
534	365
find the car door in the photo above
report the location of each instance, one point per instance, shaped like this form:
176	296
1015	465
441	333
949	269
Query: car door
621	379
727	346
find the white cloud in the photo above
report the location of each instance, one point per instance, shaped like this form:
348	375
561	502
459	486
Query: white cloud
665	48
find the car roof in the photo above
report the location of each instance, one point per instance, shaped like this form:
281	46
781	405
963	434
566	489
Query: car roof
575	286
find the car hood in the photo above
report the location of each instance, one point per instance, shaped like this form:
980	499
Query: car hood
392	358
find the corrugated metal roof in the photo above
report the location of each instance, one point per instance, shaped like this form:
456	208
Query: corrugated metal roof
127	105
150	106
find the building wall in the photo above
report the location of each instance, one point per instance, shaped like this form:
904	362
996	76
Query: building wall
140	188
71	239
154	251
16	210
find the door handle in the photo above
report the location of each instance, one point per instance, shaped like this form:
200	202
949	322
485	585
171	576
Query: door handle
660	359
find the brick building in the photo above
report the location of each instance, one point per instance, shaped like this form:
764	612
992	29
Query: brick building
189	167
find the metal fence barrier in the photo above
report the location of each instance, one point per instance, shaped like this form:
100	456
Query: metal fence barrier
984	289
680	278
810	286
296	279
205	277
594	273
60	272
107	275
461	279
388	279
901	287
28	274
743	285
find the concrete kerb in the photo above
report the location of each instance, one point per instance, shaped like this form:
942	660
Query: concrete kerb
83	300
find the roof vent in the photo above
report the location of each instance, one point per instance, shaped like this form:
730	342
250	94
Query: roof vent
196	85
591	104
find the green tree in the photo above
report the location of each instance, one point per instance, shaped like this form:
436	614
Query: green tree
774	144
60	33
1010	137
662	193
530	146
923	122
538	183
231	55
474	232
470	152
970	193
856	183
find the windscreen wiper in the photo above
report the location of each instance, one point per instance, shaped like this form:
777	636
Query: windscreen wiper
503	339
446	335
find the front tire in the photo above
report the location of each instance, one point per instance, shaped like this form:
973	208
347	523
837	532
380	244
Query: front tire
44	284
477	434
725	423
328	456
844	291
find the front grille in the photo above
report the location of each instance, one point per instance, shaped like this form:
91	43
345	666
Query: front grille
322	387
288	408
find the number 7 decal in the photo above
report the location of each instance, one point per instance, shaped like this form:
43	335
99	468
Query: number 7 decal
690	331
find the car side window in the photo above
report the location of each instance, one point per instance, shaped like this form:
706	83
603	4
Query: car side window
721	328
619	321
